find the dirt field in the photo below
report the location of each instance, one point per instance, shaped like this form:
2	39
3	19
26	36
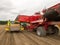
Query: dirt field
26	38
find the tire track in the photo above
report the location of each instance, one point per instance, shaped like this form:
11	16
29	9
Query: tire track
3	39
11	39
18	40
37	40
57	38
27	38
7	39
28	41
1	32
47	39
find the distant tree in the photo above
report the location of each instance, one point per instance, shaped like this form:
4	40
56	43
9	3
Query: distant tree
3	22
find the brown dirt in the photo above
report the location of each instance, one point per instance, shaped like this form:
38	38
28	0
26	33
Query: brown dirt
26	38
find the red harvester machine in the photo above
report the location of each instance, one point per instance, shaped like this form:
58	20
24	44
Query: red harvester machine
42	24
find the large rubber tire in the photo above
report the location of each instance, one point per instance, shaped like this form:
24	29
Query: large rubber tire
54	30
41	31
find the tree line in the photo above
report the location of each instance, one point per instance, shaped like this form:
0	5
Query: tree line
3	22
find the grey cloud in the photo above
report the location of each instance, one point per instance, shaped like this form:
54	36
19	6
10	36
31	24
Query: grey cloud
9	9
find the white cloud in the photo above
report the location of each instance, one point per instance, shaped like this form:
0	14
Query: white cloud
9	9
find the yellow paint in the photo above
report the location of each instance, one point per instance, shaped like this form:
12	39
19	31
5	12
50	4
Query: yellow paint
8	25
7	29
21	28
59	25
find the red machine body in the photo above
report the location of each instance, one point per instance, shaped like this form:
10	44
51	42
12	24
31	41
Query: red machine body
24	18
42	23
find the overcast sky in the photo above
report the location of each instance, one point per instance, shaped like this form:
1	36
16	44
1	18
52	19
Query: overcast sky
9	9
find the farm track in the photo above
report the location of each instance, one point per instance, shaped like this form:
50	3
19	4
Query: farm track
26	38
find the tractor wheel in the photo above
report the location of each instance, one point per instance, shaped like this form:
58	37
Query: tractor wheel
41	31
53	30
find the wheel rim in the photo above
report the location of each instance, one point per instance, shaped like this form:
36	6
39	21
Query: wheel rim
56	31
38	32
53	30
